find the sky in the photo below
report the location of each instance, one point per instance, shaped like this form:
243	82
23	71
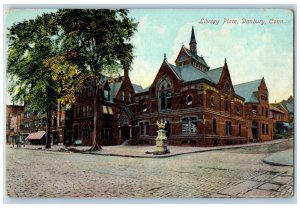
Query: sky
253	50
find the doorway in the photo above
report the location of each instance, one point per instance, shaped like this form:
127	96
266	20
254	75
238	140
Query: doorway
168	129
125	134
255	130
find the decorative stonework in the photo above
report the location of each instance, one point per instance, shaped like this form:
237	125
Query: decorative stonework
161	139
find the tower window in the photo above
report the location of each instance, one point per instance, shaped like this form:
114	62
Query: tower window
129	97
123	95
189	100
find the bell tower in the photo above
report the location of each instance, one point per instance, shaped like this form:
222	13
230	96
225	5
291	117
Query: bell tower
193	43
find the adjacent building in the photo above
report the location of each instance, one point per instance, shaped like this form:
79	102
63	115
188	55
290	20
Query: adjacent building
257	109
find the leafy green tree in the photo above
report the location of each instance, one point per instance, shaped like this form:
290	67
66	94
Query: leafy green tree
29	44
92	43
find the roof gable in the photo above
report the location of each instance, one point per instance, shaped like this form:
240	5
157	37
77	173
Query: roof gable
248	90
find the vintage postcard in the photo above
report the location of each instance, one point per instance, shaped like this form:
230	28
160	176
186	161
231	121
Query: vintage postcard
150	103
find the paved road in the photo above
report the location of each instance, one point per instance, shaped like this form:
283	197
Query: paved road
228	173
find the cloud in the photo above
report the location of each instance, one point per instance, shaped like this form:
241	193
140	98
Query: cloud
161	30
249	56
143	72
143	22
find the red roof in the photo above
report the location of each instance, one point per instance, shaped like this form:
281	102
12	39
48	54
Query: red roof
36	135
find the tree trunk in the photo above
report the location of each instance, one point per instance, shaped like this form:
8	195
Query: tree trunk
95	144
48	139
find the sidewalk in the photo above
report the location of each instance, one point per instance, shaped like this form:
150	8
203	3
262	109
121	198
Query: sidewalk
283	158
139	151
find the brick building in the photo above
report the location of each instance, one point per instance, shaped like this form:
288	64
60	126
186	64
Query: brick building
61	124
201	107
199	104
14	122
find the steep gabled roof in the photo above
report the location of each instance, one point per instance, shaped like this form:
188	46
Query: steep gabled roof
189	73
114	89
215	74
274	108
195	56
139	88
248	90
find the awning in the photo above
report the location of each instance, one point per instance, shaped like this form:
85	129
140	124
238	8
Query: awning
36	135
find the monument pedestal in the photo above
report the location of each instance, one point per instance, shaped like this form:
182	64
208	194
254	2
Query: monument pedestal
161	143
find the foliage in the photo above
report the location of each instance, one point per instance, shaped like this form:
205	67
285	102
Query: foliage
30	44
54	56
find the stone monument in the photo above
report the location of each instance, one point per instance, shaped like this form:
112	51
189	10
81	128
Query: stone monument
161	139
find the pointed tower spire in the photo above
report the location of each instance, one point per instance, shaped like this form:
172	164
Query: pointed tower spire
193	43
225	64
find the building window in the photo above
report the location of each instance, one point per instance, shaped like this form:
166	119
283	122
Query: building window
147	128
189	100
106	133
123	95
267	112
60	121
169	100
162	101
228	128
267	129
240	130
164	95
129	97
189	125
145	107
91	110
214	125
107	110
237	110
226	105
83	111
254	110
107	94
262	111
77	112
263	128
212	101
226	88
142	128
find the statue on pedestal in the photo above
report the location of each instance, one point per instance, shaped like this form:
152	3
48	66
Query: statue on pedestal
161	139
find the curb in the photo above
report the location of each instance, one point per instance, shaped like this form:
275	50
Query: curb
166	155
276	164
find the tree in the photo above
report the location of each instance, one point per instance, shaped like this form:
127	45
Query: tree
30	43
92	43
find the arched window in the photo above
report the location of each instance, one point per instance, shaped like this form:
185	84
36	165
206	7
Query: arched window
228	127
240	130
164	94
123	96
162	101
212	101
169	100
189	100
226	105
145	107
214	125
129	97
226	88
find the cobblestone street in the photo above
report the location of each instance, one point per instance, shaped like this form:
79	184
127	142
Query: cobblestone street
224	173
